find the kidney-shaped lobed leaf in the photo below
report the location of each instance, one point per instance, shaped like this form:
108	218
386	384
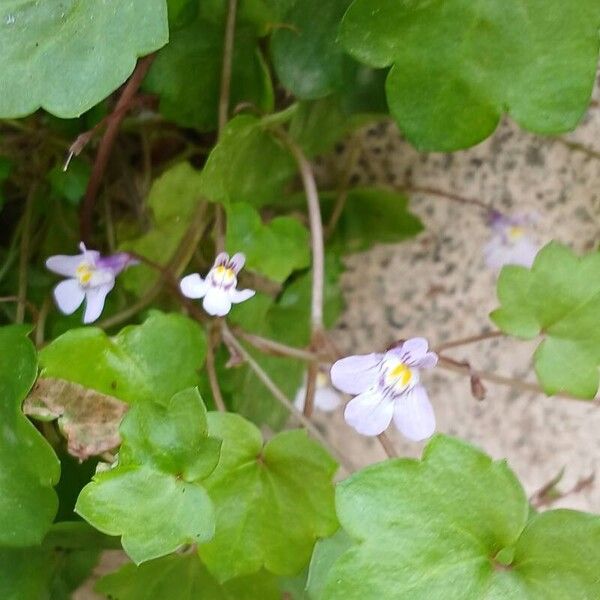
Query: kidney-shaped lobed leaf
456	526
457	66
153	498
28	466
272	501
142	362
183	578
67	56
558	298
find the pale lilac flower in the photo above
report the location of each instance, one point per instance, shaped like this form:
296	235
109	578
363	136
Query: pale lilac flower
387	386
219	288
326	398
90	277
511	242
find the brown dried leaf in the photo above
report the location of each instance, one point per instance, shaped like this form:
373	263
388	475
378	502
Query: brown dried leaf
87	418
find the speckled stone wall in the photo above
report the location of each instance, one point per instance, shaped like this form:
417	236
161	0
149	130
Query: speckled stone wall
437	285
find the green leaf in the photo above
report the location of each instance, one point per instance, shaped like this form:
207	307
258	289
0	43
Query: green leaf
183	577
142	362
28	466
275	249
65	57
535	59
326	552
453	526
370	216
306	54
272	500
70	184
53	570
559	298
153	498
173	199
237	168
318	124
198	48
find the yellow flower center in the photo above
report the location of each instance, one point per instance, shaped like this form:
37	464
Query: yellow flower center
401	372
224	272
84	273
515	233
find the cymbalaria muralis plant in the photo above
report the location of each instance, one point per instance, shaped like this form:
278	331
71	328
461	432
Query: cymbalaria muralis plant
176	406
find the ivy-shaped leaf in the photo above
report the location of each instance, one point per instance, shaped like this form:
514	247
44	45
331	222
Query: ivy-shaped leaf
67	56
456	526
306	53
318	124
247	165
274	249
457	66
559	298
54	569
173	198
142	362
154	498
183	577
370	216
197	48
272	501
28	466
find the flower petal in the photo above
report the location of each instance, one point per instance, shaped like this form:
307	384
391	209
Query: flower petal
64	265
327	399
94	301
221	260
216	302
411	351
193	286
237	296
69	296
116	262
355	374
369	413
237	262
429	361
413	414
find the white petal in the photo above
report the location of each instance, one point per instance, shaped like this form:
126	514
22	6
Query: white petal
411	351
369	413
216	302
355	374
413	414
299	398
94	301
327	399
237	296
193	286
524	252
69	296
65	265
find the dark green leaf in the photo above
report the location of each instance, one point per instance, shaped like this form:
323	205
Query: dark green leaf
247	165
275	249
370	216
306	54
326	552
272	500
70	184
142	362
558	298
457	66
183	577
67	56
28	466
198	48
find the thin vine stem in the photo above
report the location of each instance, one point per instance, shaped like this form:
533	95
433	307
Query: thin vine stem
212	372
24	255
106	145
387	445
231	340
469	340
